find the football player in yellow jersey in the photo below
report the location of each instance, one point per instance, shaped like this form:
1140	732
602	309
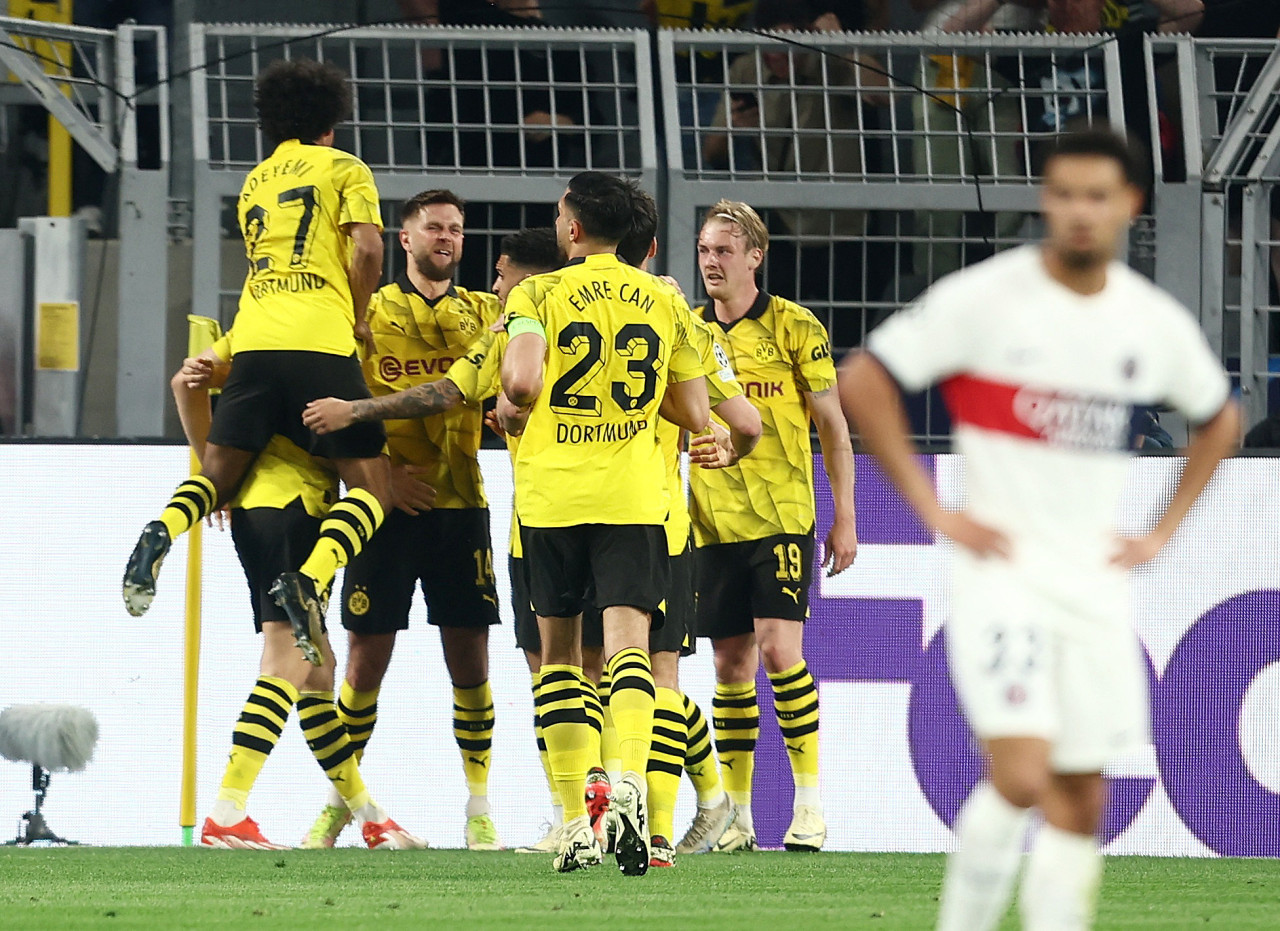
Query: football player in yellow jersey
675	714
421	323
275	518
754	522
471	380
597	350
313	236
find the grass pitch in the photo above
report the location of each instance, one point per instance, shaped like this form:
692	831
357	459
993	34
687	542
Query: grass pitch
348	889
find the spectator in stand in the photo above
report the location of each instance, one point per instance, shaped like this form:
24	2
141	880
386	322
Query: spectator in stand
946	238
533	118
780	122
697	102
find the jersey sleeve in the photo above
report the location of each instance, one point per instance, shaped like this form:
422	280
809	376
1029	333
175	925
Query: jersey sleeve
523	304
478	373
686	361
222	347
1196	385
926	341
357	192
722	381
810	353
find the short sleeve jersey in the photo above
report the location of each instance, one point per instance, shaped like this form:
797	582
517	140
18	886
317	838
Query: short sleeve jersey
478	375
293	209
1041	383
616	336
283	472
780	352
722	384
416	342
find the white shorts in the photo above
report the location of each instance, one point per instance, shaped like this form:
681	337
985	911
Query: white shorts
1070	671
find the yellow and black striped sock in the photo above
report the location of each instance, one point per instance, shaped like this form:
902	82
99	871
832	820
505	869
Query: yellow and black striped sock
327	737
567	732
795	699
609	754
343	533
191	502
595	716
542	743
359	712
736	717
666	760
473	730
698	761
631	701
255	735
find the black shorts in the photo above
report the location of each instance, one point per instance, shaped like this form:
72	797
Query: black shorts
267	391
446	550
270	541
739	582
676	633
625	563
528	637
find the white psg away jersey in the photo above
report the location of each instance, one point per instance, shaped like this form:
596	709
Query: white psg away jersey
1041	384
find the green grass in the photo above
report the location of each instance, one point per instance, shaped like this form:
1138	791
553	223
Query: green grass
347	889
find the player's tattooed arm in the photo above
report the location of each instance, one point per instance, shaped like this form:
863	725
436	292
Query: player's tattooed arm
328	415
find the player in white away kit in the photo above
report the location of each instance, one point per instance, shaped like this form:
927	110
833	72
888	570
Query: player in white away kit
1042	352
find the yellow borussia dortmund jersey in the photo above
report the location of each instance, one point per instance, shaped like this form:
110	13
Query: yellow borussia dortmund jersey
779	351
292	210
722	384
478	375
282	472
416	342
615	337
702	14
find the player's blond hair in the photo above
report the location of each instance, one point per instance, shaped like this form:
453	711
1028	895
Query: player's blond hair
747	220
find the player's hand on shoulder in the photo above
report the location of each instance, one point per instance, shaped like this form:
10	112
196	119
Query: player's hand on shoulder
410	493
675	284
1134	551
841	547
978	538
713	450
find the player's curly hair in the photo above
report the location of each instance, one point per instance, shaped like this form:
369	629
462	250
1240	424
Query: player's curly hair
301	99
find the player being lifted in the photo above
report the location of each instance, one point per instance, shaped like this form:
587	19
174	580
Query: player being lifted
674	712
471	380
1042	353
275	520
313	235
754	522
596	350
420	324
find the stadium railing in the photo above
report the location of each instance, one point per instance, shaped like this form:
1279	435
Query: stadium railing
1217	217
89	80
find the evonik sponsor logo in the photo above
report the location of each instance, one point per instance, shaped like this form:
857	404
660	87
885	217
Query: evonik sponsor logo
392	368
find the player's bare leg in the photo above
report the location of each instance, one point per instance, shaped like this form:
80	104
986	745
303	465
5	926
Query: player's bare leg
990	830
466	655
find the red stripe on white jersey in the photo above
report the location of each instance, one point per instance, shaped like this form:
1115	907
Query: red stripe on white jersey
1062	419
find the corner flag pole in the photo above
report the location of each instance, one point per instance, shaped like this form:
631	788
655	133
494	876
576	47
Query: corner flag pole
202	332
